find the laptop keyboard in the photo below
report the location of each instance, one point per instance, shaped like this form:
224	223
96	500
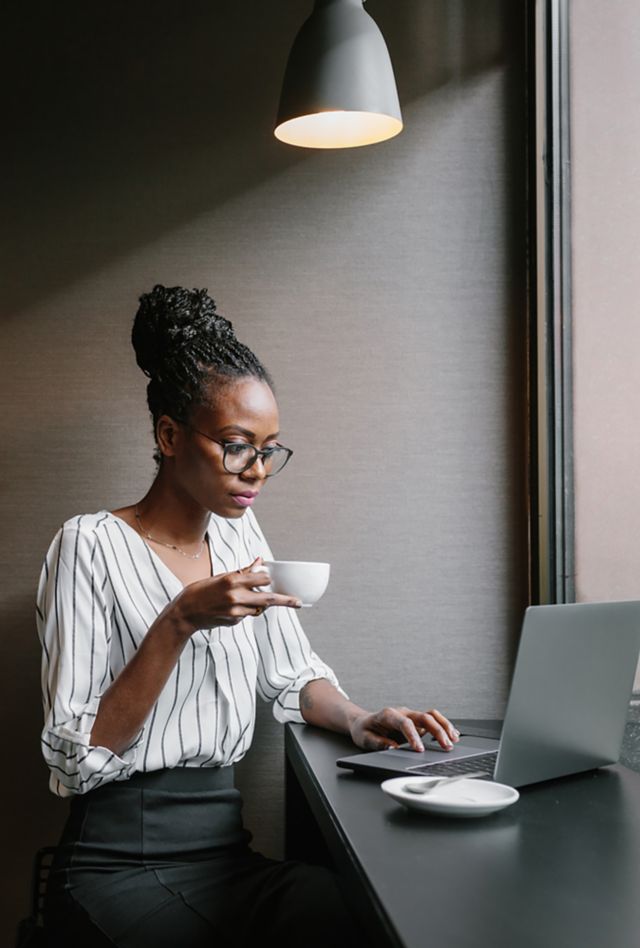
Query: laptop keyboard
467	765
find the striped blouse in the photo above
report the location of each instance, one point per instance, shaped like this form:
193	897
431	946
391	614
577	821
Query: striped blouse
101	587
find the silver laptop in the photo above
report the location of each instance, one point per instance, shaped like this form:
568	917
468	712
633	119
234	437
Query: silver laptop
567	707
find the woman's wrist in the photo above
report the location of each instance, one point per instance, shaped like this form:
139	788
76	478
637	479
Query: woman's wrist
178	617
355	714
323	705
356	726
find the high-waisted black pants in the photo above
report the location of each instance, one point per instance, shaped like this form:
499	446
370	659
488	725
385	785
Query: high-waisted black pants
163	861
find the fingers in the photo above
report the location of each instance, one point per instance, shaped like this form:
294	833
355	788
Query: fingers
256	604
228	598
246	596
407	727
395	719
266	600
249	580
412	725
374	742
250	577
437	725
254	574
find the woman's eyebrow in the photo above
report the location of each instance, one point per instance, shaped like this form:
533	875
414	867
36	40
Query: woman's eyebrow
246	432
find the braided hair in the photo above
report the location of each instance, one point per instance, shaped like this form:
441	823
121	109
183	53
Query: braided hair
182	345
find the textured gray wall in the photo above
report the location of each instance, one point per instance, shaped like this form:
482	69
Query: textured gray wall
384	287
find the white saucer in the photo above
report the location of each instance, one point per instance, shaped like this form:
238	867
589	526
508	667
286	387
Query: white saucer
464	798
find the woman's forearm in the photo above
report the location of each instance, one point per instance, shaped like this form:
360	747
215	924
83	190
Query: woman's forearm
127	702
323	705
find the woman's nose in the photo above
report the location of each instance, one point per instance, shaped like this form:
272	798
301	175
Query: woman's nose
257	470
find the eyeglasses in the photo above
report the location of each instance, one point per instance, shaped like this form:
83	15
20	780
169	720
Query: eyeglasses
238	456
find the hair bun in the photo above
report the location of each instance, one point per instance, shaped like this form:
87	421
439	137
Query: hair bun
170	319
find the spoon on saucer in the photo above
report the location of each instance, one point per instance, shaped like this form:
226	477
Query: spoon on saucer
421	788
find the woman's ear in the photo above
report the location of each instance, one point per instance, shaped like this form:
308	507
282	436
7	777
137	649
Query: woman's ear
167	435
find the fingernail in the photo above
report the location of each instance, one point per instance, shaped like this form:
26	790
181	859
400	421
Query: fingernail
298	603
420	746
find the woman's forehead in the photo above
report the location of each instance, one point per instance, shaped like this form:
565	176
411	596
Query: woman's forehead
248	403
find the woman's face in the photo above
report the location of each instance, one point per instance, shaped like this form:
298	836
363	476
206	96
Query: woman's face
243	411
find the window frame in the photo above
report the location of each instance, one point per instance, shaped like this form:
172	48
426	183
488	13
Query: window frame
551	471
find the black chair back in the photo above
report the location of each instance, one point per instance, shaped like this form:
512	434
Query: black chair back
31	932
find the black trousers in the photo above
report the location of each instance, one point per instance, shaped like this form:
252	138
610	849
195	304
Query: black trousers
163	861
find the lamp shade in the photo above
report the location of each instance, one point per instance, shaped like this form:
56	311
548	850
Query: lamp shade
339	90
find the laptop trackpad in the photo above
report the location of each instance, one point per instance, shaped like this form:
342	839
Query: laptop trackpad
433	753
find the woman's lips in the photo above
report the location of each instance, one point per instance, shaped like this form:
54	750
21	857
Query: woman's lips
246	499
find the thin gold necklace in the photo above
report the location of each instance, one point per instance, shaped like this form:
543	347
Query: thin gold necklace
170	546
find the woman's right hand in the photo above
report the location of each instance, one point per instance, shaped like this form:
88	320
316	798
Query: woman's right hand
228	598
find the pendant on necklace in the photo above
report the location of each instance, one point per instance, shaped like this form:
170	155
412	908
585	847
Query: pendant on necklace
169	546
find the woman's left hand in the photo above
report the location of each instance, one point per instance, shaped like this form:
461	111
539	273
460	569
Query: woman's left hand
378	731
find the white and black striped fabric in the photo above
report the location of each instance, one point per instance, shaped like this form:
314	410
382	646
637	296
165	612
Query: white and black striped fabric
101	587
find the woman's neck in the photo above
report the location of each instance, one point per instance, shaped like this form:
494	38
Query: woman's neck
172	514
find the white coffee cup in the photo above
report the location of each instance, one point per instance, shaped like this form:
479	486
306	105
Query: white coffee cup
307	581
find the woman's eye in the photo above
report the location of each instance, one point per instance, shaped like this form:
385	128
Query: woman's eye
237	447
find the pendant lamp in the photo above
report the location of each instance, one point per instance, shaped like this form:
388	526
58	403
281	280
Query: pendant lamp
339	90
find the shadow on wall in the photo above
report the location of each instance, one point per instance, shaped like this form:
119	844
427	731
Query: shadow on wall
28	812
127	121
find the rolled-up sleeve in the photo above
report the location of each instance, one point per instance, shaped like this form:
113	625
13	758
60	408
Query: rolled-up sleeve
286	660
73	617
287	663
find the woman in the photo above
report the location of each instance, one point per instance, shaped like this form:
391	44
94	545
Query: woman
157	631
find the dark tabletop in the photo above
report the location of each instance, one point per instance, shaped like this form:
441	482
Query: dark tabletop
559	869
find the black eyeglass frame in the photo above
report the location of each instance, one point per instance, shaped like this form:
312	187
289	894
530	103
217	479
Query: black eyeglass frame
257	452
